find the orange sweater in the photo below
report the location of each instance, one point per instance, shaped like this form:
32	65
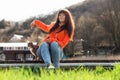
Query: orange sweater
61	37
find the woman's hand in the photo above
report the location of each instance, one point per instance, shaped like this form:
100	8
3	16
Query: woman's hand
32	25
48	41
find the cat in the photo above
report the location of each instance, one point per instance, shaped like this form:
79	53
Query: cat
33	49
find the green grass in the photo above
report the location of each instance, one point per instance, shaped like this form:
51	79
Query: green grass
80	73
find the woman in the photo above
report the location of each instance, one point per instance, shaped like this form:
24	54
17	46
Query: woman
60	33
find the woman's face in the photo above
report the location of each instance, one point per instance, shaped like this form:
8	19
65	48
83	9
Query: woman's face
61	17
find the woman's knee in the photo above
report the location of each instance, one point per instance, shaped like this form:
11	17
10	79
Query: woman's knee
44	44
54	44
54	47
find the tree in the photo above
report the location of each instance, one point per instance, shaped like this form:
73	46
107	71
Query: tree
110	20
2	24
86	23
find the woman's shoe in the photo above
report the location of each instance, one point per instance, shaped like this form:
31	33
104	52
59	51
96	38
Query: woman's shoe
50	66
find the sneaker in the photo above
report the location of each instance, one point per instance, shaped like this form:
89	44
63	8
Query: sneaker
50	66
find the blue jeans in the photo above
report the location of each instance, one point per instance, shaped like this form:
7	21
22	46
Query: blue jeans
50	54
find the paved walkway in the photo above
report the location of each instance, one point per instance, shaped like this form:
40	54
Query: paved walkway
101	57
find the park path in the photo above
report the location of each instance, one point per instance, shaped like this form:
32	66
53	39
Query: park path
100	57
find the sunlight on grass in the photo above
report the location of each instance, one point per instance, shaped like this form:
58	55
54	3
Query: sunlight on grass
80	73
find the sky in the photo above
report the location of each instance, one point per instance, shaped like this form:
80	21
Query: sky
17	10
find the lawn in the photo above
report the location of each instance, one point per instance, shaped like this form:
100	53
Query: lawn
79	73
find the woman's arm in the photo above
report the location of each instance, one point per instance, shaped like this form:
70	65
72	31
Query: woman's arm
64	42
41	25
